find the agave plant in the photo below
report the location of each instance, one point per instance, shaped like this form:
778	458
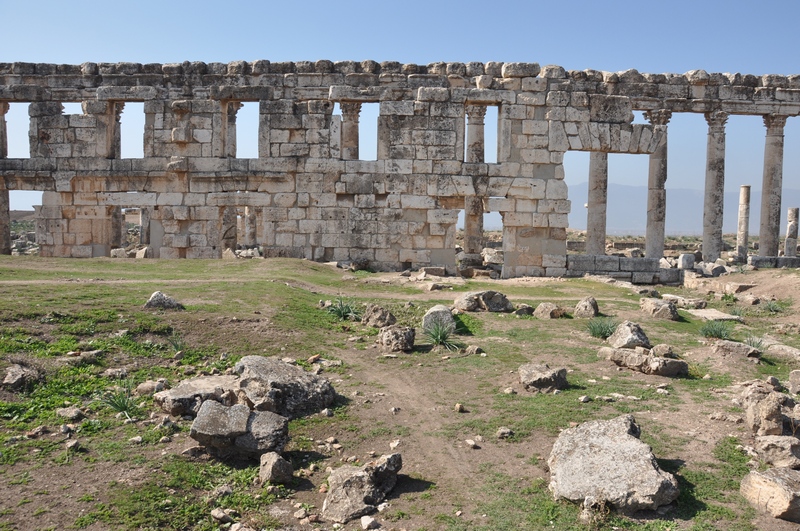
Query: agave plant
441	335
601	327
344	310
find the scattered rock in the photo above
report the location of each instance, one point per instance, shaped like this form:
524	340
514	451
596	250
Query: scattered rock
548	310
489	301
116	373
377	316
504	433
237	430
794	382
604	462
764	408
663	351
275	469
368	522
355	492
397	338
441	315
775	492
150	387
538	377
70	413
162	301
288	390
187	397
221	516
640	360
659	308
19	377
473	350
682	302
779	450
523	310
784	350
586	308
628	335
723	347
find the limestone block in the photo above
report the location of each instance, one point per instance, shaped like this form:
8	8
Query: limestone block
775	492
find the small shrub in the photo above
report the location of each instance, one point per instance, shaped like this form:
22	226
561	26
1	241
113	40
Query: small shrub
177	343
601	327
120	400
755	342
729	298
716	329
344	310
440	335
772	307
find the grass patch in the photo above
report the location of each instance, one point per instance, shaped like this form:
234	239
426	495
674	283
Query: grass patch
601	327
717	330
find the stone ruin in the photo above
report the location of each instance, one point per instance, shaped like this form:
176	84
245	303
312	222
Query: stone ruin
308	195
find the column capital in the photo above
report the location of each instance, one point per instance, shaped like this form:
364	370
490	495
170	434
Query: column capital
476	113
774	124
4	106
119	106
350	110
234	106
716	121
658	116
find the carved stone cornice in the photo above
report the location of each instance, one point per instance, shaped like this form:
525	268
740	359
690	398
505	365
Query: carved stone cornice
350	111
774	124
476	114
716	121
658	116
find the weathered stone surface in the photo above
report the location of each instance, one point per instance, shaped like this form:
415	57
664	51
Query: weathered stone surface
490	301
794	382
779	450
20	377
274	469
187	397
162	301
659	308
218	426
683	302
645	363
775	492
628	335
549	310
586	308
355	492
70	413
377	316
539	377
711	314
605	462
723	347
441	315
266	432
784	350
273	385
397	338
150	387
764	408
523	310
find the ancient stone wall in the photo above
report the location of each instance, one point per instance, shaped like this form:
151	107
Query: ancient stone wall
307	194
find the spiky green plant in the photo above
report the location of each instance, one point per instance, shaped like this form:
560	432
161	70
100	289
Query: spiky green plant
772	306
120	399
601	327
441	334
755	342
344	310
716	329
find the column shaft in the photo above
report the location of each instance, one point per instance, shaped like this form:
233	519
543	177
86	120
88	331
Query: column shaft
3	130
790	246
350	115
656	193
772	184
473	206
715	185
597	203
743	231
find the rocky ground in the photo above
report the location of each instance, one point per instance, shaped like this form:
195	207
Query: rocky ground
443	411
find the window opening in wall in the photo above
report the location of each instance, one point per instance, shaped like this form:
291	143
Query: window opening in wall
247	130
131	126
481	133
491	134
17	127
72	107
368	131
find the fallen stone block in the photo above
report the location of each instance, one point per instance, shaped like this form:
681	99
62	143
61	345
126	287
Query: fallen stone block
162	301
659	308
539	377
275	469
354	492
604	462
779	450
489	301
187	397
723	347
377	316
397	338
645	363
549	310
775	492
441	315
628	335
586	308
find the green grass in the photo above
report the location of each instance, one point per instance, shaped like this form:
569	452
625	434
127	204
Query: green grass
717	330
601	327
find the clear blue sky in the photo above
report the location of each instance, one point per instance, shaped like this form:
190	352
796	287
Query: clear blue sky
613	35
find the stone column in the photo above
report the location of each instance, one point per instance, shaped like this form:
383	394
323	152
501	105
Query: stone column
230	128
350	114
790	246
144	231
598	197
5	214
744	224
768	238
473	206
116	148
3	130
249	239
656	193
715	185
